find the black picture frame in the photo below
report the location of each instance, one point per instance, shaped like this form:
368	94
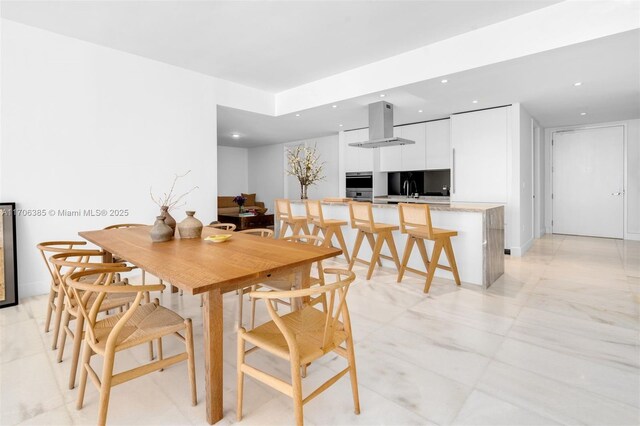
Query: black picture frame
8	256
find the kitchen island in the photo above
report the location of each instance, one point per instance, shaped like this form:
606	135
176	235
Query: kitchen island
478	247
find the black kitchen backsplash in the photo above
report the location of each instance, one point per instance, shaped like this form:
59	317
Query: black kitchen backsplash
428	182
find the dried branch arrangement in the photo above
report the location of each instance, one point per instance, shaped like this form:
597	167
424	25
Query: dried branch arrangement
169	199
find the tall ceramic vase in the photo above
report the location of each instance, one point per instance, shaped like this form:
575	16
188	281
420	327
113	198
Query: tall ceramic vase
168	219
190	227
161	232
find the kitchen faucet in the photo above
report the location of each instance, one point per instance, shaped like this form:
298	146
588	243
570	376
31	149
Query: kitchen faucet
407	186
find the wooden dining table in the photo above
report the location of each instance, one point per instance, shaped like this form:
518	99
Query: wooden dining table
197	266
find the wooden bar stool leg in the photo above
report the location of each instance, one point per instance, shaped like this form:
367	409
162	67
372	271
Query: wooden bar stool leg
437	249
315	231
327	235
305	227
295	229
448	249
422	248
341	242
375	258
356	248
372	244
388	236
405	257
283	229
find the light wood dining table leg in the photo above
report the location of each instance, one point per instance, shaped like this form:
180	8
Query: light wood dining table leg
212	324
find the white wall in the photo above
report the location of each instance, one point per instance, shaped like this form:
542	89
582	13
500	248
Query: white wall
88	127
632	175
233	170
267	171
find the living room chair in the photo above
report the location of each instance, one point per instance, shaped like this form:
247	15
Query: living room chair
138	325
301	337
287	220
376	233
415	221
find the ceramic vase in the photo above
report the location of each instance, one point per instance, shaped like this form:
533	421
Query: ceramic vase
190	227
161	231
169	220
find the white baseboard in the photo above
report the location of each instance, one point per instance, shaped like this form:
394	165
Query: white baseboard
520	251
632	237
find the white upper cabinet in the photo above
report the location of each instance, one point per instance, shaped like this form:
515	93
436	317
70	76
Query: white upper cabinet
391	156
357	159
438	144
479	156
413	155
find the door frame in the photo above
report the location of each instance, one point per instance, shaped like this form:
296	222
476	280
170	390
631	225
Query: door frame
549	143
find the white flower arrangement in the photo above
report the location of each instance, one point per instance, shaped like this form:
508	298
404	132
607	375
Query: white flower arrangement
304	164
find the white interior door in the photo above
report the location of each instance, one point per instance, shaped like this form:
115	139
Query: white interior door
588	182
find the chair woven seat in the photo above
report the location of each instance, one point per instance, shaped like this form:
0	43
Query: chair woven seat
148	322
308	325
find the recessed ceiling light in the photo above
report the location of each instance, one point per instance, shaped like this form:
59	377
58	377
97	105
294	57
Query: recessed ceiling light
297	115
334	106
578	83
583	113
474	101
382	95
419	110
235	135
340	125
444	81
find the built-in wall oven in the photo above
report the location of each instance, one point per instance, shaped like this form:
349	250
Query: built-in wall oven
360	186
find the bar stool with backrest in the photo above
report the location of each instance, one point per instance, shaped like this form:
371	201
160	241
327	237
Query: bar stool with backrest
328	227
376	233
287	220
139	325
301	337
415	221
56	296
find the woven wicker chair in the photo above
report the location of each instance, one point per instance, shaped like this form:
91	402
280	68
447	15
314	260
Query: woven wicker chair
301	337
223	226
56	296
140	324
64	265
259	232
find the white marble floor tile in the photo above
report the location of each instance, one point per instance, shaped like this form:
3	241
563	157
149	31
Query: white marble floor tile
19	340
57	416
28	388
454	362
558	401
620	384
483	409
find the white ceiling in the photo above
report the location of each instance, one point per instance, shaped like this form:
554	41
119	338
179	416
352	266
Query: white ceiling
609	69
270	45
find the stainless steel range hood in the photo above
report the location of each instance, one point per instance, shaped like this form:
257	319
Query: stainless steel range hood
381	128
